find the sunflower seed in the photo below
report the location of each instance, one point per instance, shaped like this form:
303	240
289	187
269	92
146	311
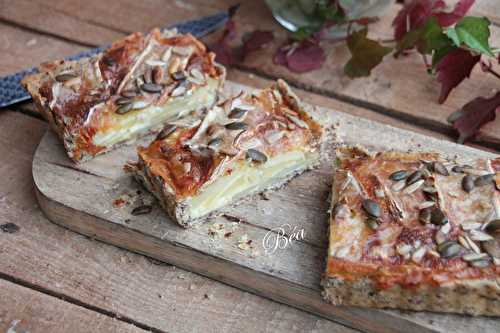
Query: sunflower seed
151	87
429	189
434	253
468	183
403	249
399	175
413	187
399	185
445	229
129	93
236	126
414	177
256	156
179	90
493	226
425	216
484	180
299	122
458	169
463	242
476	172
148	75
166	131
140	104
183	51
379	193
153	63
124	109
237	113
371	207
123	101
274	136
214	143
474	256
418	255
372	223
492	247
179	76
440	237
167	54
481	263
448	249
197	74
336	208
440	168
63	77
426	204
141	210
472	245
479	236
471	226
438	217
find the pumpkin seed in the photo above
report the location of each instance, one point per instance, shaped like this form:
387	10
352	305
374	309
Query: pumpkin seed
463	242
63	77
413	187
403	249
399	175
237	113
425	215
473	246
414	177
438	217
440	237
151	87
458	169
214	143
399	185
124	109
372	223
141	210
371	207
484	180
166	131
449	249
235	126
440	169
256	156
379	193
493	226
446	228
419	254
468	183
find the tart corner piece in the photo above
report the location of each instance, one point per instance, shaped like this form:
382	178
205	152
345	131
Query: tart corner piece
129	90
414	231
246	144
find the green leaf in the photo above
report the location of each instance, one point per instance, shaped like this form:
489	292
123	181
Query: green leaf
303	33
366	54
428	38
474	32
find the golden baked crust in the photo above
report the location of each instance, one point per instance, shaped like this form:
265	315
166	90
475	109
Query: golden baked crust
434	246
192	154
89	98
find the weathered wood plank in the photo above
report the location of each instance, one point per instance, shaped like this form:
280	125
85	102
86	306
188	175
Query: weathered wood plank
290	276
120	282
26	310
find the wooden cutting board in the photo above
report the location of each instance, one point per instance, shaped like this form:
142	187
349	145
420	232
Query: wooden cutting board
230	248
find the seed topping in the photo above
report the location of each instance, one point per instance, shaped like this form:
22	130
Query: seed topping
371	207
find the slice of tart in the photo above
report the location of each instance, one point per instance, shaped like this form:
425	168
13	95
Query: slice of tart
242	146
414	231
129	90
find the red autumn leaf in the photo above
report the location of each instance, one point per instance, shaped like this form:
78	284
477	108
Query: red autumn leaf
475	114
300	58
453	69
257	40
413	15
461	8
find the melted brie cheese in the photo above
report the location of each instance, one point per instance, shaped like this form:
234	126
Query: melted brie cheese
247	178
138	122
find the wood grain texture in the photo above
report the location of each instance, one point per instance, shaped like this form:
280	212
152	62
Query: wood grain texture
119	282
290	276
25	310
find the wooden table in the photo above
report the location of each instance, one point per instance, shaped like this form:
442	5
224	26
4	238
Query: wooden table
55	280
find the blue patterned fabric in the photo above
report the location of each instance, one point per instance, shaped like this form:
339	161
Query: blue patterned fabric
12	92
